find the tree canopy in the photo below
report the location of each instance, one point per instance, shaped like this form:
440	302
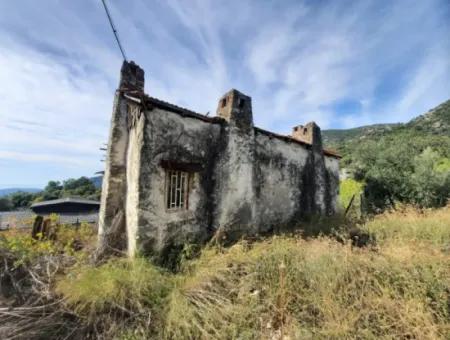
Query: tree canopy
80	187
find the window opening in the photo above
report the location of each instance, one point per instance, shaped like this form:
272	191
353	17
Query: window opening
176	190
224	102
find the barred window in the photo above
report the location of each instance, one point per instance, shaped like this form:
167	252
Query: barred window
176	189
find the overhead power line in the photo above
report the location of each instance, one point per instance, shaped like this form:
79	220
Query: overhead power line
114	30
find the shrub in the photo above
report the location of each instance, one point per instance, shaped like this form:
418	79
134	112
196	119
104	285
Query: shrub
118	293
67	240
347	189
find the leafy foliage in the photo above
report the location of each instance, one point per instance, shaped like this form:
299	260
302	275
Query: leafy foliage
81	187
26	249
406	162
5	204
21	199
349	188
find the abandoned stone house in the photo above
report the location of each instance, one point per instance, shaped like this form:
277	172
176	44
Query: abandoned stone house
174	176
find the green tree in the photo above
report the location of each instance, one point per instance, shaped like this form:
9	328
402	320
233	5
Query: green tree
393	172
82	187
431	179
52	190
5	204
21	199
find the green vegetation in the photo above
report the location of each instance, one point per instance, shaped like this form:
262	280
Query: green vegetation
315	284
335	137
347	189
117	295
81	187
25	249
5	204
406	163
322	289
288	286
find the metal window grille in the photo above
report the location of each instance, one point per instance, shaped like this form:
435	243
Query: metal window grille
176	190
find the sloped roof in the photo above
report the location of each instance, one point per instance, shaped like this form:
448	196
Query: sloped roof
155	102
65	200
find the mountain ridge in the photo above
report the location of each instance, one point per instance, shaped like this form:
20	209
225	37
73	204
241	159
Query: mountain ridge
8	191
435	121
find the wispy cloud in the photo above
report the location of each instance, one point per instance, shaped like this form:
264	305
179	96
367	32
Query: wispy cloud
340	63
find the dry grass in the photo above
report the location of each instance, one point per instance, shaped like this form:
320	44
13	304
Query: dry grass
330	291
29	306
279	288
406	225
118	294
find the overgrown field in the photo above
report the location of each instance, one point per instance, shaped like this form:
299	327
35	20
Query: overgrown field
284	287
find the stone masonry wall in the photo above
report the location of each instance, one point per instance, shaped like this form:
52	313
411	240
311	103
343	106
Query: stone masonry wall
171	141
242	180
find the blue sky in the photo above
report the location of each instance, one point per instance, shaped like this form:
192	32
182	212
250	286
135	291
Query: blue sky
340	63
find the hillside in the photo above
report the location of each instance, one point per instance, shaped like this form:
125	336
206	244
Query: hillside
408	163
8	191
434	122
334	137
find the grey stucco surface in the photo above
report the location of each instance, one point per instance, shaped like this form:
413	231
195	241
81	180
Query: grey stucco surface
242	180
170	137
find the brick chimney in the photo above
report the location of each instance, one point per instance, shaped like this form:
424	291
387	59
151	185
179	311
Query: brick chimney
236	107
309	133
131	77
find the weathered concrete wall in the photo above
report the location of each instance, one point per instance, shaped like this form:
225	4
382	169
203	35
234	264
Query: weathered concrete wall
332	167
112	222
184	142
242	179
279	172
135	144
235	192
245	182
114	180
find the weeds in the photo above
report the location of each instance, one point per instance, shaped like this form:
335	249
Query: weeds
116	294
281	287
325	291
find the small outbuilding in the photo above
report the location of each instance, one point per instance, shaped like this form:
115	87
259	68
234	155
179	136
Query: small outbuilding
67	205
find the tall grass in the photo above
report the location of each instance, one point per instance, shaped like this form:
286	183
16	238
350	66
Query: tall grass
284	287
408	225
347	189
116	294
331	291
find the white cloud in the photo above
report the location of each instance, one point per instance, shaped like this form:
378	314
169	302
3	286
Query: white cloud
433	73
61	65
40	157
50	114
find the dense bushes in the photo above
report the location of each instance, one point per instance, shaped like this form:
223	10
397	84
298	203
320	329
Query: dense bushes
407	163
401	170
